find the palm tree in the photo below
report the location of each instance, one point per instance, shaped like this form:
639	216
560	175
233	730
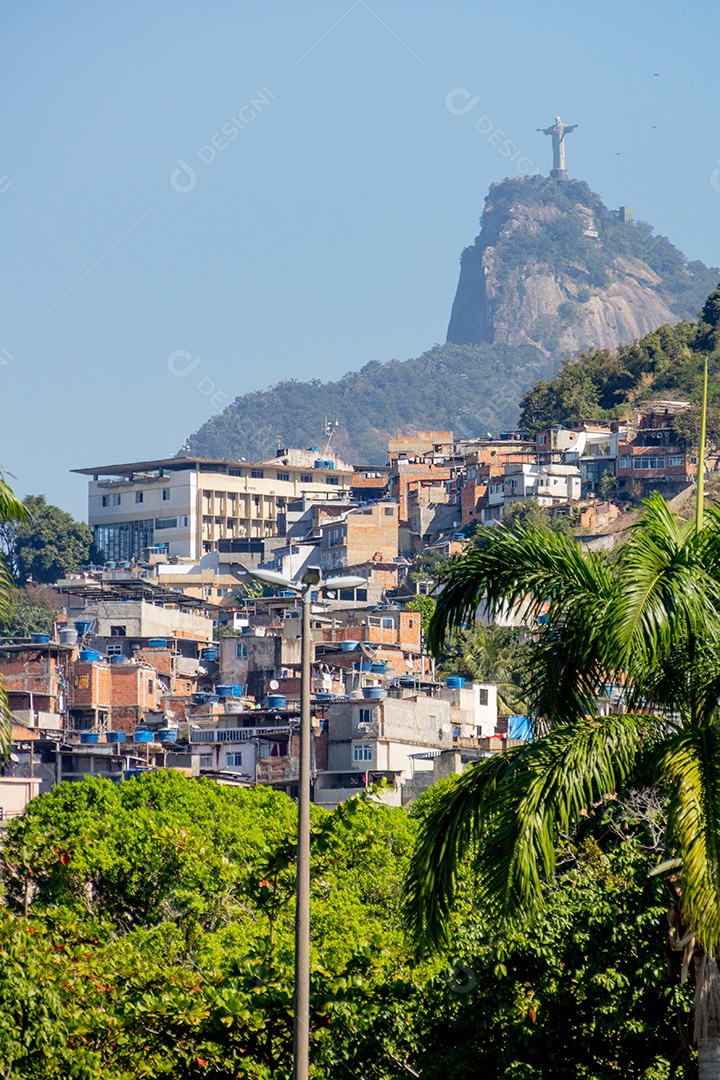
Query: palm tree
490	654
10	510
649	622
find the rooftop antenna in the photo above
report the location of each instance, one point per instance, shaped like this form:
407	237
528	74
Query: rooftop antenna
331	427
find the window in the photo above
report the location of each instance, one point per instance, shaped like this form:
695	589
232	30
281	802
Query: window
124	539
433	722
166	523
283	476
256	500
81	682
362	752
241	650
332	480
117	499
648	463
625	462
542	439
118	631
106	500
676	459
306	478
233	757
166	494
139	495
151	686
483	697
206	761
389	511
257	474
365	716
235	472
387	622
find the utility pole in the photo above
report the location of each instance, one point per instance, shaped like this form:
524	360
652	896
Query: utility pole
301	1033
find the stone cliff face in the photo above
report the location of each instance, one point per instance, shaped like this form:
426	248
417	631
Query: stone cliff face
554	268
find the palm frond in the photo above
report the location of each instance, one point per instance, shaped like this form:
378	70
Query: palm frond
11	509
541	573
667	587
689	769
530	566
511	811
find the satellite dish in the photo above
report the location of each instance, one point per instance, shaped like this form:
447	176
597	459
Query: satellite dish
274	684
15	758
446	728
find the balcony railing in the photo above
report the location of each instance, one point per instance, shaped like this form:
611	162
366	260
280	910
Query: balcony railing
235	735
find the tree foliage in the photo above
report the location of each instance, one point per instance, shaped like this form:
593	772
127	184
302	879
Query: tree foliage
602	385
147	932
34	610
48	544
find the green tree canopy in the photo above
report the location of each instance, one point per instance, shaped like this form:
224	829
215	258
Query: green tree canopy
34	610
147	931
47	545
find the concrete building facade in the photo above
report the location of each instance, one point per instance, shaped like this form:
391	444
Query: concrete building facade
187	505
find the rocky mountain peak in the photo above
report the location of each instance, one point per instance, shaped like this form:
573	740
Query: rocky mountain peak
553	267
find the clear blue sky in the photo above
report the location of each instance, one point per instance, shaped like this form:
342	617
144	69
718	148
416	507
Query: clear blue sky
327	232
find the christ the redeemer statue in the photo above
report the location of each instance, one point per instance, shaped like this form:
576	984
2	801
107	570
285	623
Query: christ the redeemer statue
558	132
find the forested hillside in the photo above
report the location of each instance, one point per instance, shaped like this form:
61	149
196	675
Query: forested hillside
469	389
601	384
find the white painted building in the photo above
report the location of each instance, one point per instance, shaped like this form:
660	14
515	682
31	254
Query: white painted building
186	505
547	484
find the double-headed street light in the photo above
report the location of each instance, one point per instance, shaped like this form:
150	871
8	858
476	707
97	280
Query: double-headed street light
309	580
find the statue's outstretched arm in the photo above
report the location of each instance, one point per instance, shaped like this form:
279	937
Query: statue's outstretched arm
570	127
545	131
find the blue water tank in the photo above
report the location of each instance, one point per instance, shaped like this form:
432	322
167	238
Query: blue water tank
157	643
373	693
237	690
117	659
276	701
455	682
199	699
168	734
89	656
40	639
89	737
349	646
224	691
115	736
378	667
209	654
143	736
211	698
83	626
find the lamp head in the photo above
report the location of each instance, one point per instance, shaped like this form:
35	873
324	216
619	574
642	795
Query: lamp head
311	576
269	577
347	582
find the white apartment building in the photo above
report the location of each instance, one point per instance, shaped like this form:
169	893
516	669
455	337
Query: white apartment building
548	484
186	505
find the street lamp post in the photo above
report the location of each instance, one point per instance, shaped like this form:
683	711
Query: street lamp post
301	1032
